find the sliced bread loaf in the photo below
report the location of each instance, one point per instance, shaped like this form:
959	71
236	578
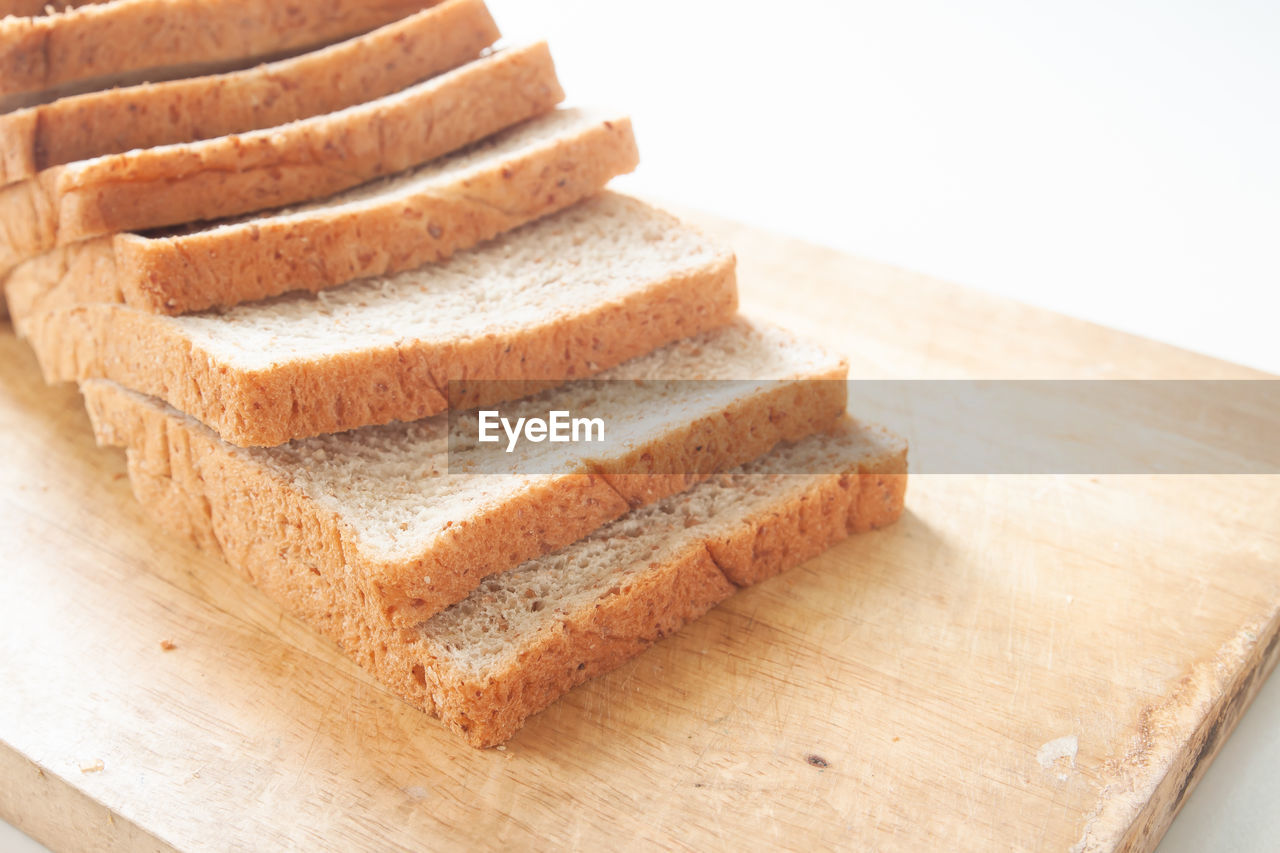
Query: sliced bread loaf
561	298
99	45
351	72
385	527
392	225
529	635
304	160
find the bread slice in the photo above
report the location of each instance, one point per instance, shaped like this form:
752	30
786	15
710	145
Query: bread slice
562	298
525	637
387	528
395	224
369	66
307	159
96	46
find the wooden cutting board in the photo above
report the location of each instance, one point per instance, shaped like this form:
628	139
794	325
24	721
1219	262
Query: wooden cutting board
1022	662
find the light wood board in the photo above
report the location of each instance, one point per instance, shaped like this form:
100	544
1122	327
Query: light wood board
908	690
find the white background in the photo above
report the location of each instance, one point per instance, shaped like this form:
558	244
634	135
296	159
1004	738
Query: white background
1117	161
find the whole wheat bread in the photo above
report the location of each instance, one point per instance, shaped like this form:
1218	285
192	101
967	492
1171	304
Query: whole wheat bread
529	635
395	224
561	298
396	529
96	46
368	66
307	159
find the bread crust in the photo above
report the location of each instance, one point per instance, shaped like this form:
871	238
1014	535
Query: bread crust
406	382
589	641
96	43
326	248
368	66
307	159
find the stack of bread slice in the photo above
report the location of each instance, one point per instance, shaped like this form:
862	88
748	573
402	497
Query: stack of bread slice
283	287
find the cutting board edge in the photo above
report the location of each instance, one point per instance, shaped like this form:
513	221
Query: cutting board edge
62	816
1115	823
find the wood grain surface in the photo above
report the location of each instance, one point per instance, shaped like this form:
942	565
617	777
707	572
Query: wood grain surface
1023	662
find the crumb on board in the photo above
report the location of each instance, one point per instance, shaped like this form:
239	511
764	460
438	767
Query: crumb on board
168	645
95	766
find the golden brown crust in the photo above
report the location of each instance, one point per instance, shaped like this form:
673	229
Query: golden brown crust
361	69
405	382
229	265
197	271
589	642
308	159
97	41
